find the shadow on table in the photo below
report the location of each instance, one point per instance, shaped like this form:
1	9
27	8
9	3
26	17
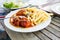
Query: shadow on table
4	36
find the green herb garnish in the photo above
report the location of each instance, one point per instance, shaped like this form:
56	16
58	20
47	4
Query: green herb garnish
10	5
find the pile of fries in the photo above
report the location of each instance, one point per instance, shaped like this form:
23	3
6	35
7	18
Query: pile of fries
37	15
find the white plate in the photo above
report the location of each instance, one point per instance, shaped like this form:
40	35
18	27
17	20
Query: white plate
56	8
31	29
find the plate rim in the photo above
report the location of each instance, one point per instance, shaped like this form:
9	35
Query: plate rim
53	8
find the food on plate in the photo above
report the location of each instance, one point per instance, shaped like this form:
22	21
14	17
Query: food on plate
28	17
12	5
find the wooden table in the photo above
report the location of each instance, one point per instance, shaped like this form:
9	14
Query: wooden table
52	32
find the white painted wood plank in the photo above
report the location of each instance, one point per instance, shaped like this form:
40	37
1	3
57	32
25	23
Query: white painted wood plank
52	30
56	20
50	35
41	35
21	36
55	27
55	23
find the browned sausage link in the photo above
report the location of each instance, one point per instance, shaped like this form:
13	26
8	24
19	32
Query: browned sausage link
21	12
14	21
25	23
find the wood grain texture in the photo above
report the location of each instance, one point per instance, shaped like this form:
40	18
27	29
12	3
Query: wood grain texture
55	23
41	35
50	35
21	36
55	27
53	31
56	20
